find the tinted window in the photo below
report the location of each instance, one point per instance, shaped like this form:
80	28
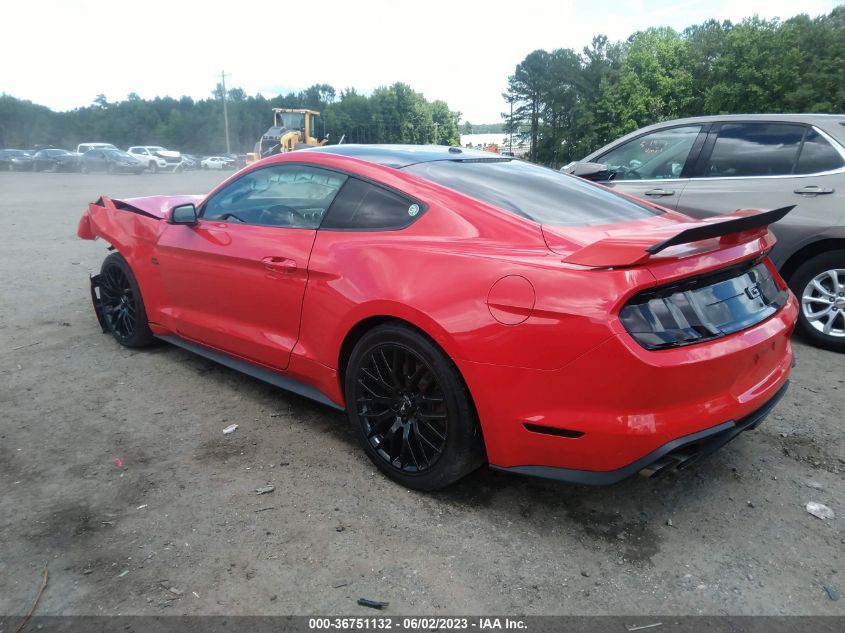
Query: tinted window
754	149
367	207
534	192
293	196
656	155
817	155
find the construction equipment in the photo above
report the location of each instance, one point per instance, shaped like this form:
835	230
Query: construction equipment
292	129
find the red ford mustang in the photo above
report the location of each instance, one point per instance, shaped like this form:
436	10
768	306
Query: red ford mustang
463	308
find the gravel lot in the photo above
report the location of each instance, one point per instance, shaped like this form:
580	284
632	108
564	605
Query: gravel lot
181	530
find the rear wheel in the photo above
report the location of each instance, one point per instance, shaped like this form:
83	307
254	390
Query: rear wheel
122	305
153	167
819	284
411	410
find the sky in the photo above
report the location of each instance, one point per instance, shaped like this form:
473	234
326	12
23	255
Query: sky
62	54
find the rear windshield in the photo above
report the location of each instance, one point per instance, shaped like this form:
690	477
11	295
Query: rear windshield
537	193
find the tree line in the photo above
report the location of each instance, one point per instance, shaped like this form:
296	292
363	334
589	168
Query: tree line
571	103
391	114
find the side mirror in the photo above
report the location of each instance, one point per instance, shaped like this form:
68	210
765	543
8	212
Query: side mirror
183	214
589	171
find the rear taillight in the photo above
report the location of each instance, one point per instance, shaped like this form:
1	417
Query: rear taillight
703	308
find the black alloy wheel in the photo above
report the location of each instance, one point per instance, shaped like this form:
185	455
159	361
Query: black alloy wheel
121	303
410	408
402	408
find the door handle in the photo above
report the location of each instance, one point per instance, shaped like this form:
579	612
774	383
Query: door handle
660	192
813	190
279	264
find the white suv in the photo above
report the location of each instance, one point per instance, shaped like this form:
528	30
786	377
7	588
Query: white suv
155	158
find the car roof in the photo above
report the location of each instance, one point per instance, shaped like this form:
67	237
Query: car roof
833	124
824	121
400	156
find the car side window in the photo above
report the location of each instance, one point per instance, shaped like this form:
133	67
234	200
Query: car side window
817	155
292	196
653	156
754	149
363	206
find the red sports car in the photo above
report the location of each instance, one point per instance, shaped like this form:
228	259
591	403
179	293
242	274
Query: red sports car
463	308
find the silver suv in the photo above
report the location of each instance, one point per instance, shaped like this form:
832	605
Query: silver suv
704	166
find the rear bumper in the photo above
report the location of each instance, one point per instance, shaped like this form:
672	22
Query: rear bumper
674	455
618	407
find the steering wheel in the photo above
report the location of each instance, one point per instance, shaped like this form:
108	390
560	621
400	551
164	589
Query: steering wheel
284	215
629	171
226	216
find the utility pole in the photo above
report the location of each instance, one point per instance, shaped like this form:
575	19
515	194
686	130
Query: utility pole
225	111
510	127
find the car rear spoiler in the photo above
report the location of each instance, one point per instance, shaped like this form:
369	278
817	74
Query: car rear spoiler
630	250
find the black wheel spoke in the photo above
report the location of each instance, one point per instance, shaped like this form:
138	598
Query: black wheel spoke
409	448
401	407
420	447
380	427
373	394
429	426
423	439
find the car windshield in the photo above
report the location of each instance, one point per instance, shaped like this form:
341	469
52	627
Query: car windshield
537	193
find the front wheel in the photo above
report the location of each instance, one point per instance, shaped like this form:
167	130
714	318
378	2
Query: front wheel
411	410
153	167
819	284
121	304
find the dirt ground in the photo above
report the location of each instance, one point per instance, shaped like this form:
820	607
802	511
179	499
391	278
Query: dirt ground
180	529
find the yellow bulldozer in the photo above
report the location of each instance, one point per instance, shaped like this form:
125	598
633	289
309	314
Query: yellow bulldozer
292	129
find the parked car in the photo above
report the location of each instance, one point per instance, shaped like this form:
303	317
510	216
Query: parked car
462	308
707	166
218	162
189	161
156	158
84	147
112	161
55	160
15	160
238	160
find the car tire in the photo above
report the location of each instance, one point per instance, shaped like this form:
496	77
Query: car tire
83	169
153	167
110	169
410	409
122	305
819	285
